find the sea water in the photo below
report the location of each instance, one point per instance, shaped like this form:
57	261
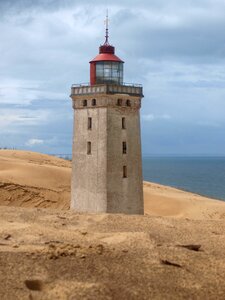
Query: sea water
201	175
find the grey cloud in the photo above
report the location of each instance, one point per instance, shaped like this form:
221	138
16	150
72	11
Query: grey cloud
13	6
187	35
175	48
168	139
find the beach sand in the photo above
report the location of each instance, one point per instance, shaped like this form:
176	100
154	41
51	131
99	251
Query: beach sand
174	251
29	179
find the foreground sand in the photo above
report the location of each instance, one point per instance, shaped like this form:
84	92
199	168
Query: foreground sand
175	251
47	254
29	179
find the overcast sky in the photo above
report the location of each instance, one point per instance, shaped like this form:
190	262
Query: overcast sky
175	48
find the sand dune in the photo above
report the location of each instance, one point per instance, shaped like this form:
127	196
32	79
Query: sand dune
167	201
29	179
54	254
175	251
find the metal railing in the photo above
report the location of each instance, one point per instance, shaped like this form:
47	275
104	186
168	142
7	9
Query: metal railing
123	84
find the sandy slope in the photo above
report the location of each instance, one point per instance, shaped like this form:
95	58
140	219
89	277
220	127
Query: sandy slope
29	179
58	254
167	201
32	179
47	254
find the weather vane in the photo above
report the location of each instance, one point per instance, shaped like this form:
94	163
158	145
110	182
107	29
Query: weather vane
107	28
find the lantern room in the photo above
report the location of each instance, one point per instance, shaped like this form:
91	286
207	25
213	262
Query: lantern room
106	67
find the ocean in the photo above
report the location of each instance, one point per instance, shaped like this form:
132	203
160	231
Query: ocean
201	175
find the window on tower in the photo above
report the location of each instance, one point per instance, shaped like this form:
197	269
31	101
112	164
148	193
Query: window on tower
84	102
119	102
124	147
123	123
124	171
89	123
93	102
128	103
88	148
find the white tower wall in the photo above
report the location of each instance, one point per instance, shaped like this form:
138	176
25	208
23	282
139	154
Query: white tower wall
109	177
124	194
89	181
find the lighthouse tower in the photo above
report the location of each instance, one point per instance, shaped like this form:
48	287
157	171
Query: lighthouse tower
107	164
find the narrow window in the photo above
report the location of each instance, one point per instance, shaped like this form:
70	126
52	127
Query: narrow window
84	102
89	123
89	148
124	171
93	102
123	123
128	103
124	147
119	102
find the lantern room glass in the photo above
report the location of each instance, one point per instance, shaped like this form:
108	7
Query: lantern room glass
109	72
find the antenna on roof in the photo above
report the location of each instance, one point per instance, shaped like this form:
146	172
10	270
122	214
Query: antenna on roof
107	28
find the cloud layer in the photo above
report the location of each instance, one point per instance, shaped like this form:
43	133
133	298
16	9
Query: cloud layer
176	49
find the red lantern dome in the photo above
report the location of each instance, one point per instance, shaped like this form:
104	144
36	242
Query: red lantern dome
106	67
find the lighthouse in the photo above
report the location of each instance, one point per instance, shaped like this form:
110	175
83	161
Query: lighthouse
107	162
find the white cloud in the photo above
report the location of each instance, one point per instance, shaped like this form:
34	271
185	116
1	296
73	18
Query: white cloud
24	92
151	117
34	142
17	91
14	117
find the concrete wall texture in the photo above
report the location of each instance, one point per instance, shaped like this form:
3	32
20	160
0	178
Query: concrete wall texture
98	183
